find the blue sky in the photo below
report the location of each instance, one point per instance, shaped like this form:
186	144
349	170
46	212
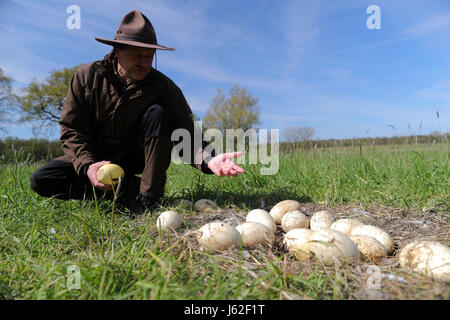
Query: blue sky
310	63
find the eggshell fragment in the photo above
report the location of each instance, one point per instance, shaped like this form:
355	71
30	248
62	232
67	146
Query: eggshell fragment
429	258
377	233
293	220
261	216
255	233
370	249
218	236
278	211
321	220
205	206
345	226
168	220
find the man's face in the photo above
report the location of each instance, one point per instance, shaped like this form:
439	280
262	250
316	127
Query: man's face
134	63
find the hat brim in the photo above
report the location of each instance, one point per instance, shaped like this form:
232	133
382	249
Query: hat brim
134	43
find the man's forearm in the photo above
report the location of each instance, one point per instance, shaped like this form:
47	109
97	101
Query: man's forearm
77	147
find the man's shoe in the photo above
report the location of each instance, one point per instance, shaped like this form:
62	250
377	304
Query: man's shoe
143	204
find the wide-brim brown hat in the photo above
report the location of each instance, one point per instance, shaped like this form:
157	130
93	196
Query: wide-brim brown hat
136	30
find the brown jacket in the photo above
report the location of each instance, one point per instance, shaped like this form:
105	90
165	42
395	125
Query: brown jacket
100	119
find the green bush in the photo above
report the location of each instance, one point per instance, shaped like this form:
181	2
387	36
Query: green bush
32	150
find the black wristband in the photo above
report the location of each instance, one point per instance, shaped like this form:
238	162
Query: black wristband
205	168
85	169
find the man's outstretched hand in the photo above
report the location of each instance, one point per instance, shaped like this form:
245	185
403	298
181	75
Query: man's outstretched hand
222	165
92	175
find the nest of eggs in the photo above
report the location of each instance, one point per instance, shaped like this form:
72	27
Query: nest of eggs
403	226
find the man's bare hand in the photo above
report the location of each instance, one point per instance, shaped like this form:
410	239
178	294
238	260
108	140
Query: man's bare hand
222	165
92	175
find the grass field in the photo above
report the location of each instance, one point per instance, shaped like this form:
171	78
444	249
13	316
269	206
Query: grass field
404	190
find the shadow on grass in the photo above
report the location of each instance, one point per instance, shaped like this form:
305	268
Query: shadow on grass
252	199
248	198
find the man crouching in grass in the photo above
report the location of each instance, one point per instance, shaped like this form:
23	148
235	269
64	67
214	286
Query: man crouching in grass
121	110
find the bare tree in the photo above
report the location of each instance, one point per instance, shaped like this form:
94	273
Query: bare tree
298	135
7	99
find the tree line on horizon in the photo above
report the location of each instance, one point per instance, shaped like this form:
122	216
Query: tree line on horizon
13	149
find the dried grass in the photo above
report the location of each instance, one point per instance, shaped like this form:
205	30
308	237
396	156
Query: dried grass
396	282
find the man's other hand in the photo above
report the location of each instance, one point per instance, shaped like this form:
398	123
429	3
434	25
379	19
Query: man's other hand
222	165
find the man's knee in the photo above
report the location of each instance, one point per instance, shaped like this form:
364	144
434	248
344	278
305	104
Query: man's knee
37	184
57	179
157	121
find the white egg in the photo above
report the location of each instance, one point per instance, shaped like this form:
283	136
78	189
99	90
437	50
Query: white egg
279	210
168	220
255	233
183	204
345	226
218	236
429	258
295	239
262	216
205	206
332	247
370	249
377	233
321	220
293	220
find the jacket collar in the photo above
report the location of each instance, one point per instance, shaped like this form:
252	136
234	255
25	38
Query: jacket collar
106	68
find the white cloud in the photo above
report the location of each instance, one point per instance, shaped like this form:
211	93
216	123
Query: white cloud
438	22
439	91
426	27
344	76
301	28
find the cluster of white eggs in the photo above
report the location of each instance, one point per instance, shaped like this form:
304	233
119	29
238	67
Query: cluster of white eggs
321	237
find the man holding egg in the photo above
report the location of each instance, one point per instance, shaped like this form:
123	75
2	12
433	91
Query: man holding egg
121	110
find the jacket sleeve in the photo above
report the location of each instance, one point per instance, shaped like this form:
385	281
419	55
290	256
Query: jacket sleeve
184	120
76	126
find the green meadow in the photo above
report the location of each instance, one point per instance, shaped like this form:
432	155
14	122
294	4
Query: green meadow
47	245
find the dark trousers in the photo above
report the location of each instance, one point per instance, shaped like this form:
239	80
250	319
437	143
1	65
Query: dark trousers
150	157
